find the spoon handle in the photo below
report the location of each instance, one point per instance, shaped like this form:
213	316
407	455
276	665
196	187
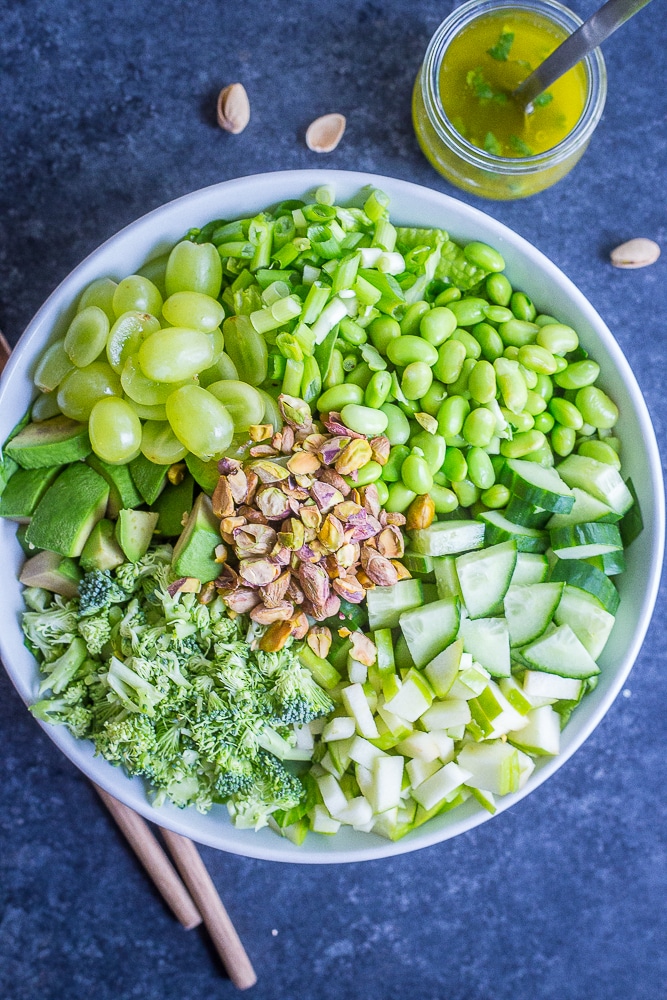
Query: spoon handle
592	33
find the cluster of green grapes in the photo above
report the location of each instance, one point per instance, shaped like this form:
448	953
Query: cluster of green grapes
148	371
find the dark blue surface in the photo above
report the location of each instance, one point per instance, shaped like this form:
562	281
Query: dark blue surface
107	111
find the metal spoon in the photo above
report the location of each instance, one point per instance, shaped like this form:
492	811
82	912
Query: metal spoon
576	46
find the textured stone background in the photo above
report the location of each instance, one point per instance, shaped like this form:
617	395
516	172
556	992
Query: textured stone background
107	111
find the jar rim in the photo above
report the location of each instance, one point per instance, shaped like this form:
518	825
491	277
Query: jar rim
596	90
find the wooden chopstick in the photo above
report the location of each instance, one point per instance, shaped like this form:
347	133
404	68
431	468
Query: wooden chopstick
154	859
222	931
159	868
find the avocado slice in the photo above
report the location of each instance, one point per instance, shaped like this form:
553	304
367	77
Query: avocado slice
134	531
57	441
205	474
123	494
24	491
68	511
101	550
173	505
194	552
149	478
53	572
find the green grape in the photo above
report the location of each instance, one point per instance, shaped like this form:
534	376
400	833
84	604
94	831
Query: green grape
144	390
99	293
52	367
194	310
243	401
115	430
155	270
194	267
138	294
175	354
80	390
147	411
127	335
159	443
218	342
200	421
86	336
223	368
45	406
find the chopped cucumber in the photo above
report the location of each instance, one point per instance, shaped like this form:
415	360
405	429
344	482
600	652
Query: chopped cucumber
529	610
537	485
588	620
387	604
531	567
430	629
444	538
562	653
599	479
586	540
487	639
484	577
499	529
585	508
577	573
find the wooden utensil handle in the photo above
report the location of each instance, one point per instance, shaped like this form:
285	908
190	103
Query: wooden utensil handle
219	926
154	859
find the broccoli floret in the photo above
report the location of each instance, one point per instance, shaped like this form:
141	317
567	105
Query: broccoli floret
96	632
129	575
274	788
59	711
237	779
297	697
97	591
50	630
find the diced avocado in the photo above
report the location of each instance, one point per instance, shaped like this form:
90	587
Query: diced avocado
50	442
134	531
102	551
148	477
53	572
205	474
123	494
173	505
21	530
24	491
68	511
194	552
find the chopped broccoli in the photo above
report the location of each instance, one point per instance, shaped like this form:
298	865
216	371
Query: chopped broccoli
297	697
273	788
95	631
97	591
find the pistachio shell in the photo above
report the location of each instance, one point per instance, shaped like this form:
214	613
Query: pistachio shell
639	252
324	134
233	108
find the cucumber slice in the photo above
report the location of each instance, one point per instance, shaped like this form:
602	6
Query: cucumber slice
417	562
585	508
582	541
387	604
599	479
610	563
531	567
581	574
444	538
485	576
538	684
632	522
562	653
520	512
488	640
499	529
528	610
446	580
443	669
590	623
537	485
429	630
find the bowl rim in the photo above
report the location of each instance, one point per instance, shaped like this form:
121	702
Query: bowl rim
130	791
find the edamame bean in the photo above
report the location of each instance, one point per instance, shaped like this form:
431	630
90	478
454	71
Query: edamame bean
383	491
522	444
472	346
544	387
368	473
416	379
460	387
522	307
468	311
338	396
398	427
480	468
407	350
352	333
449	294
415	473
498	289
433	447
496	496
562	440
557	337
378	390
399	498
381	331
537	359
529	377
482	382
543	319
364	420
432	400
511	352
437	325
519	421
466	492
578	375
600	451
413	317
455	466
511	383
489	340
518	332
483	256
444	499
451	416
360	375
543	456
534	403
596	407
451	356
544	422
498	314
391	470
565	413
560	362
479	427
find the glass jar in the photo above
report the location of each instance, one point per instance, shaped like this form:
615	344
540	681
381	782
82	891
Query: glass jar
480	171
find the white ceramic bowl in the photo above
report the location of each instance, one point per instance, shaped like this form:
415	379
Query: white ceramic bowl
528	270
